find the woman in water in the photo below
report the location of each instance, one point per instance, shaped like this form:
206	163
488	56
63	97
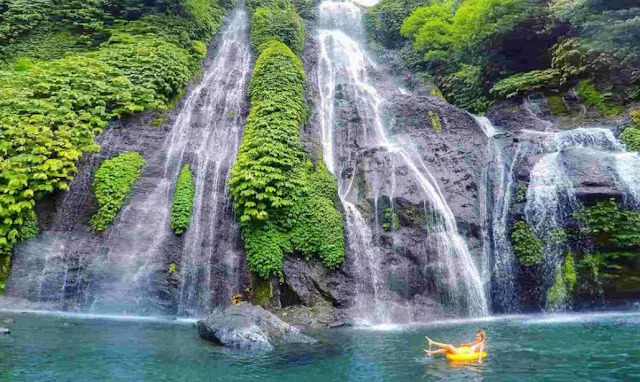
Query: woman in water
478	346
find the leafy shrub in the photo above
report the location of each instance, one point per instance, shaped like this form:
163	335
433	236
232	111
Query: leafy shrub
465	88
631	138
557	105
275	24
182	201
284	202
523	83
609	225
526	245
112	183
267	175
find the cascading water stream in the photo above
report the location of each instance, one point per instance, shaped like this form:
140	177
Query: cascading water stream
126	270
344	64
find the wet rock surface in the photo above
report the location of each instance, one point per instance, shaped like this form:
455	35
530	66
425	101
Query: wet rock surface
249	327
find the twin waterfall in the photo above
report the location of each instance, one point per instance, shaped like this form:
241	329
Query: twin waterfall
139	266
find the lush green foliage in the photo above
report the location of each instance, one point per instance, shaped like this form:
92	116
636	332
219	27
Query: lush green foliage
631	134
182	201
526	245
593	97
267	175
106	59
112	184
523	83
610	226
284	202
476	50
383	22
631	138
277	24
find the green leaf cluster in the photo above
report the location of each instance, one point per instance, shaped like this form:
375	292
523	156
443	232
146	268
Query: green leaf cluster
284	202
112	184
390	220
631	134
182	201
526	245
609	225
523	83
277	24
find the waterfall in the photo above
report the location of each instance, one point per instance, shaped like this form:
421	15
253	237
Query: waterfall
139	266
345	68
500	186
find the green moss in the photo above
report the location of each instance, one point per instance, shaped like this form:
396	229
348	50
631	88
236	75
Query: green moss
436	124
112	183
593	97
158	121
569	272
437	93
557	295
557	106
172	268
182	201
526	245
5	268
263	291
635	118
521	195
390	220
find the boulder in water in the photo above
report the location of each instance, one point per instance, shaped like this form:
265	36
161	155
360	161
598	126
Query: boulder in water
4	330
246	326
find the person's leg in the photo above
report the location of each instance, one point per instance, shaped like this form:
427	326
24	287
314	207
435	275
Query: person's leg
448	347
432	352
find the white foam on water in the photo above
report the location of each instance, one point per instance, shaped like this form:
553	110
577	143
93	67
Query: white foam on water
101	317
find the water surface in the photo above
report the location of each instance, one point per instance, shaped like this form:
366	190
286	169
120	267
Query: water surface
603	347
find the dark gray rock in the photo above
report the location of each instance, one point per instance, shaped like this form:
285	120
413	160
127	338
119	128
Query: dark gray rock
591	174
246	326
312	283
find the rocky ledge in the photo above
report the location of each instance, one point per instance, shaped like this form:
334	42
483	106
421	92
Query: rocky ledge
246	326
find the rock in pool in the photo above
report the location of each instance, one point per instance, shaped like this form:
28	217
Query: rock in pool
4	330
246	326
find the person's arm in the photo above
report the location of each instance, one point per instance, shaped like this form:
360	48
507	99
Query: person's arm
481	350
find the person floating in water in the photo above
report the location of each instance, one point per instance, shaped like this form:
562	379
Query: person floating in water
478	346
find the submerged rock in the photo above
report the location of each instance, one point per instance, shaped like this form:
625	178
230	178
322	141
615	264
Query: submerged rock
247	326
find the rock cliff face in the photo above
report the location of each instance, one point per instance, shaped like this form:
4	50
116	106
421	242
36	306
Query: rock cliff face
543	169
449	146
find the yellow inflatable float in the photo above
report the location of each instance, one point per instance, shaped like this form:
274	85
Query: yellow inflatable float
464	354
